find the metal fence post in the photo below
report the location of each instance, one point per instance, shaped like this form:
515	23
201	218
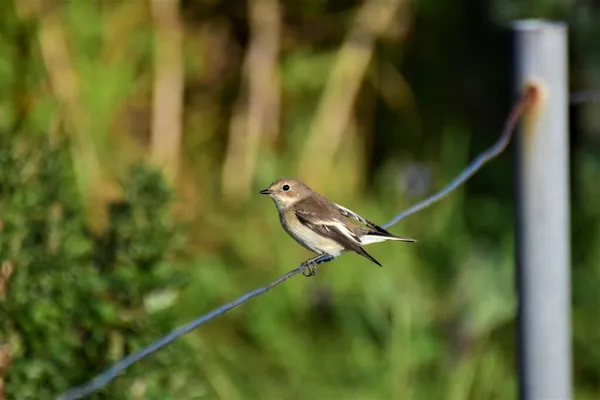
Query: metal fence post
543	221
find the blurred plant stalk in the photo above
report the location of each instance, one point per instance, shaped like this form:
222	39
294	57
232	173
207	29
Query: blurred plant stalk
5	356
257	110
6	271
95	188
167	102
5	359
327	130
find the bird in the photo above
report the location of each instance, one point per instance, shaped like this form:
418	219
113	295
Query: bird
322	226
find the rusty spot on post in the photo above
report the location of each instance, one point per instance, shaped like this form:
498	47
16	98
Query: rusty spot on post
534	98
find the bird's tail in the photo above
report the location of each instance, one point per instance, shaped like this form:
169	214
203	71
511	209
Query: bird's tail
382	236
363	253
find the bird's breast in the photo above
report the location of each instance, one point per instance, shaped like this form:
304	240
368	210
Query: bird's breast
306	236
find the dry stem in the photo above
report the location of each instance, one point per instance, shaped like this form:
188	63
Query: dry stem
168	87
258	114
327	130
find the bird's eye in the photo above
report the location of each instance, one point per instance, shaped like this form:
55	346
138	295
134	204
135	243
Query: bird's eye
286	188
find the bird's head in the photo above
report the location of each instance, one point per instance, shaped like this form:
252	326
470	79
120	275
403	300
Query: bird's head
286	192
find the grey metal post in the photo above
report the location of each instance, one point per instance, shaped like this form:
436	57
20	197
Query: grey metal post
543	221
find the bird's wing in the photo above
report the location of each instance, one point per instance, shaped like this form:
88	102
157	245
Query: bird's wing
323	220
351	214
376	229
328	226
334	230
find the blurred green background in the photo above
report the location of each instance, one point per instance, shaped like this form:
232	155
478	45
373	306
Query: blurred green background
136	134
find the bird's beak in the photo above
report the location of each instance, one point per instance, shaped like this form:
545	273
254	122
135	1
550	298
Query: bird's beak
265	191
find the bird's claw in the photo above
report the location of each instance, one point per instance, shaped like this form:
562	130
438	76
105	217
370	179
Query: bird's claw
310	268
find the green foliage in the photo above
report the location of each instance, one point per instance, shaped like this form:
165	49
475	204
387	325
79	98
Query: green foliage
77	301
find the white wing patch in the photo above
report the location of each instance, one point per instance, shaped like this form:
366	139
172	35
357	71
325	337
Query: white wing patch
341	228
368	239
351	214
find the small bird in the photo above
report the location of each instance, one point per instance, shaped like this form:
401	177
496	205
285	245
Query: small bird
322	226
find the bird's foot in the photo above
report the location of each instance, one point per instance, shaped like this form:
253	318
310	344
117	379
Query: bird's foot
310	268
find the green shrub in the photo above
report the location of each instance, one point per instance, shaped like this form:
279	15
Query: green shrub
77	301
